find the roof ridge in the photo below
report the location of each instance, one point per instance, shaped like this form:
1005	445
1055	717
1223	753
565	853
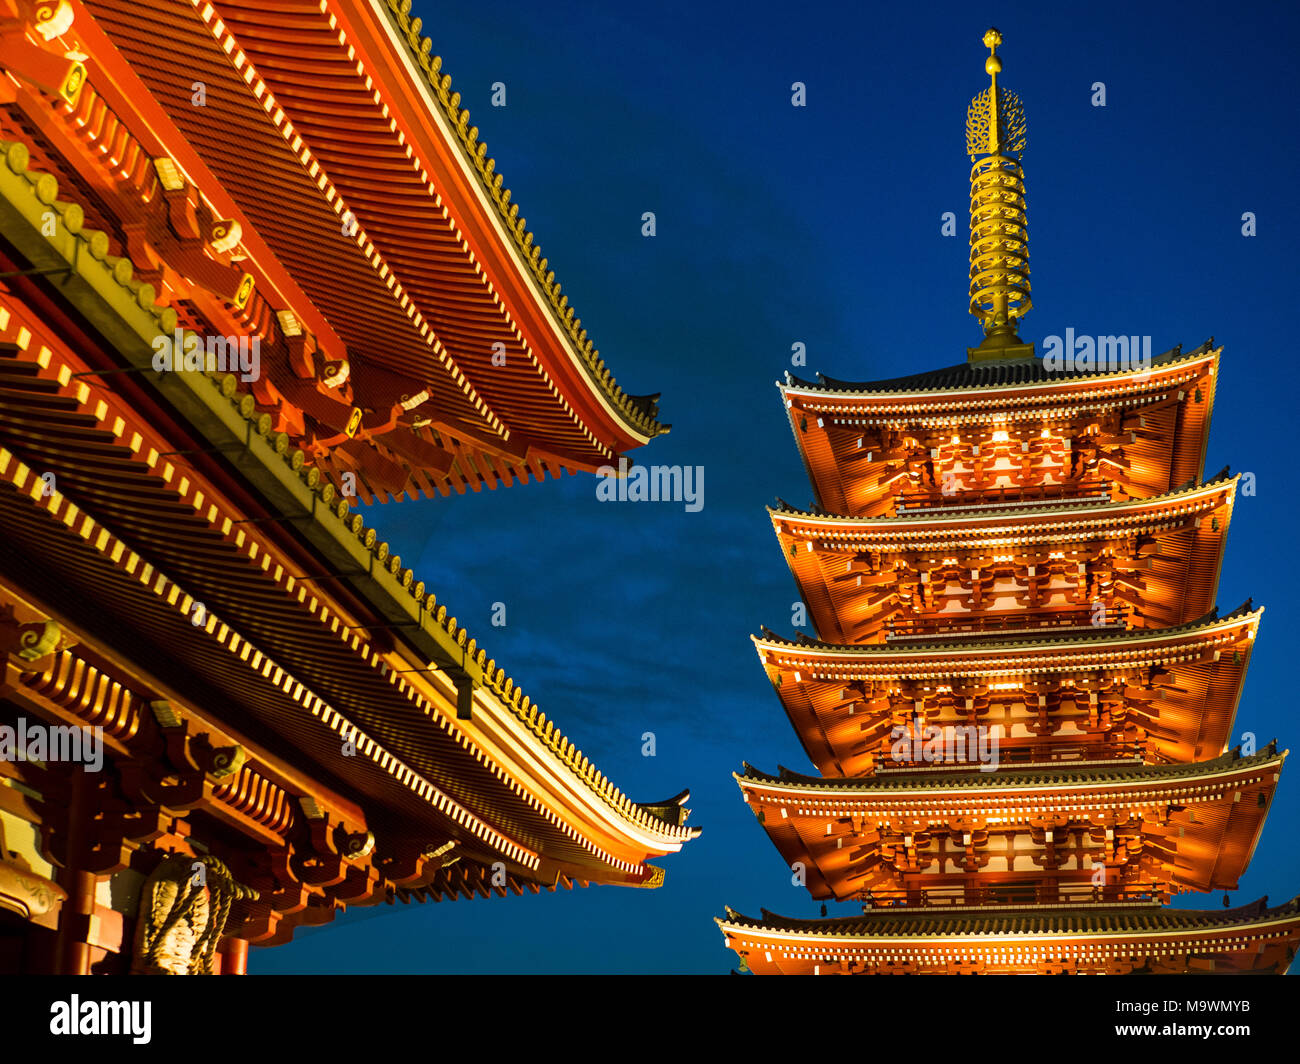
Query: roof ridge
919	382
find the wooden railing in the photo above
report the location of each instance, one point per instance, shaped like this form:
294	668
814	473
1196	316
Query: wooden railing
966	624
1010	894
1026	752
935	498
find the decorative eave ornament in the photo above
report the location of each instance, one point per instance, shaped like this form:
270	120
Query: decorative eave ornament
999	240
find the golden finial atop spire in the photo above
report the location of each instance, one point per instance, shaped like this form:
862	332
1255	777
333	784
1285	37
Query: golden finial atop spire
993	65
999	256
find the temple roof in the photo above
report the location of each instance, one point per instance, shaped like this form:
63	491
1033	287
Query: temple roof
984	375
640	410
1055	774
1137	918
366	208
311	628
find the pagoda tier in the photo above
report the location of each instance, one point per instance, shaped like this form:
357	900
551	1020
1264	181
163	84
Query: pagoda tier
1043	834
1147	563
1120	939
1163	695
893	446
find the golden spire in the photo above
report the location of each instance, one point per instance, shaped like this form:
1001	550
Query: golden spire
999	252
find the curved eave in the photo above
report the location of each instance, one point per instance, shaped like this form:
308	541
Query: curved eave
1166	369
980	924
1043	780
1044	654
995	522
435	325
124	315
1206	818
823	417
836	723
425	71
817	549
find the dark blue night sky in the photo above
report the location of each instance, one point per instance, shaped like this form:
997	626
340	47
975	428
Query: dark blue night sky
821	225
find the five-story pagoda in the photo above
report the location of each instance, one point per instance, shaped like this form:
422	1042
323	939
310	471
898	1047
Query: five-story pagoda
1021	699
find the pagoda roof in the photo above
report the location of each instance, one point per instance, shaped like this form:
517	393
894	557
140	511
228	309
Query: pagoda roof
1060	774
1107	938
1066	921
1161	415
1203	820
1061	650
957	523
844	730
817	548
984	376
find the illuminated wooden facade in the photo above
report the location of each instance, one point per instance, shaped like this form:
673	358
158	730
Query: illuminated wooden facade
291	722
1021	697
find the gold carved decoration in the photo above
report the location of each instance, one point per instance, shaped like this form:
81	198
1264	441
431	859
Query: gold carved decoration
226	761
31	638
225	235
1007	137
39	639
54	19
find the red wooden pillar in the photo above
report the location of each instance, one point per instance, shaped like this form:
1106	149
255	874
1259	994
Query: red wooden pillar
73	948
234	956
